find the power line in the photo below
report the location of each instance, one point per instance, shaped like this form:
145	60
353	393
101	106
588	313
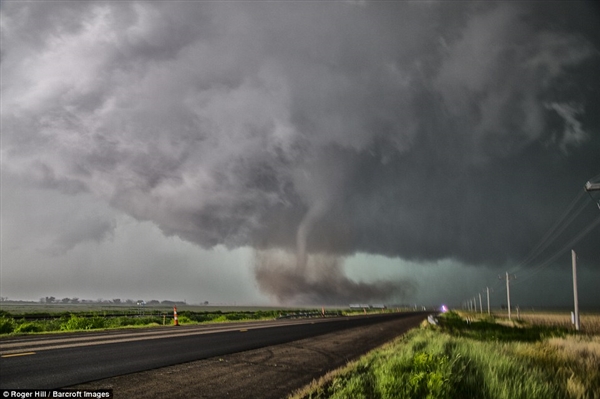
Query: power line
555	231
560	252
568	216
573	210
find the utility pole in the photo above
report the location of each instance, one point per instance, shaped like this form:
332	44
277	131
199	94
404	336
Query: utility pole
508	278
508	294
575	299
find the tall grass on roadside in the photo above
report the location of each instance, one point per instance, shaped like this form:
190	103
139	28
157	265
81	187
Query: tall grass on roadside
431	363
590	323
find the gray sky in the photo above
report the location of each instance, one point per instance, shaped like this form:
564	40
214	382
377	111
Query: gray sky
299	152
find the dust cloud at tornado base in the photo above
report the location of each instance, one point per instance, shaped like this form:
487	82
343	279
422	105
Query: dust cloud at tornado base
321	281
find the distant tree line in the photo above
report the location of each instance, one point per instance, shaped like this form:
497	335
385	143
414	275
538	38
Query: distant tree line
116	301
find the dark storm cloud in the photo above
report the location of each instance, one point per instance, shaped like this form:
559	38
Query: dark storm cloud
418	130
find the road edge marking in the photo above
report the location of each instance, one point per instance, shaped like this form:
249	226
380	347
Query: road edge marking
18	354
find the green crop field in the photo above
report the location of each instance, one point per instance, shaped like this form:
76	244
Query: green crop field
475	359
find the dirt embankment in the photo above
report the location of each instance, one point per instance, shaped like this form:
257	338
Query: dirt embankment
268	373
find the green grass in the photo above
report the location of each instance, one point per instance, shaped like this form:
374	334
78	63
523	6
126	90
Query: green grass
469	360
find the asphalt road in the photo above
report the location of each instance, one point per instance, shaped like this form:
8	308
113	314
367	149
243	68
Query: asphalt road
62	361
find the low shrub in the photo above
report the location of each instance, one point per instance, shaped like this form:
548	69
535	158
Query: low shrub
7	325
83	323
29	327
185	320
